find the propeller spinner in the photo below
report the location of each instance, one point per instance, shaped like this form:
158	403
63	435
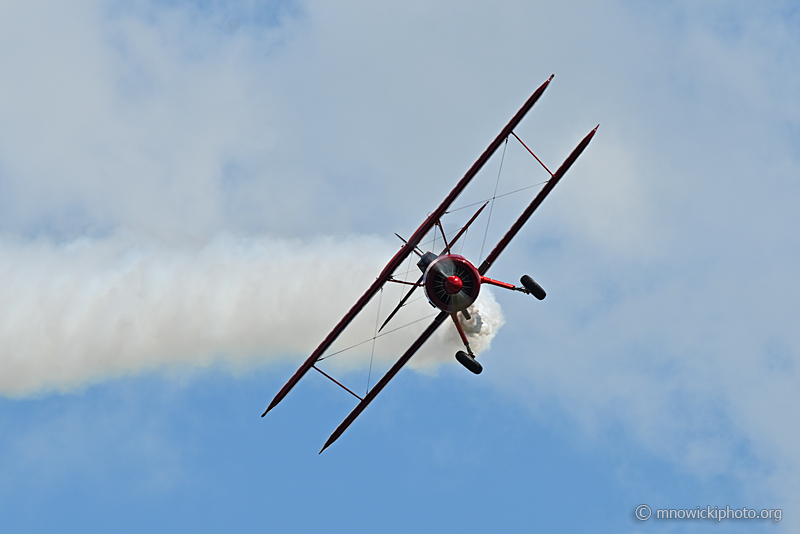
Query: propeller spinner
451	283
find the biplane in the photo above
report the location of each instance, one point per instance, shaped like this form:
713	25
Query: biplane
450	281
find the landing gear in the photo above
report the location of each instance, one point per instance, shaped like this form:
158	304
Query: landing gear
528	286
469	361
535	289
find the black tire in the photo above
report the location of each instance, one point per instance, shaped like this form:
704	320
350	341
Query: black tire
535	289
469	362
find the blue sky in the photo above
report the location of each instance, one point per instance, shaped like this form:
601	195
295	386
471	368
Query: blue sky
191	194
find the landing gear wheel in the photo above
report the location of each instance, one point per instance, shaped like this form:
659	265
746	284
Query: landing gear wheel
535	289
469	362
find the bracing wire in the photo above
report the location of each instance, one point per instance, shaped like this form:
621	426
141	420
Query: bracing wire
498	196
374	337
494	196
463	241
379	335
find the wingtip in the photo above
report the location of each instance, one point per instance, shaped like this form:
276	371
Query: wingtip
270	407
333	437
327	444
551	77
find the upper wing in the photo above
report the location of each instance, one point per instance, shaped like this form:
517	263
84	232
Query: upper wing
483	268
407	249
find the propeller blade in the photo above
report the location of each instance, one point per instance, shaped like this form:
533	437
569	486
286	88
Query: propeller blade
445	251
401	303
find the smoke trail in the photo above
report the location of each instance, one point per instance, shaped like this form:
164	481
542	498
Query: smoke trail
76	313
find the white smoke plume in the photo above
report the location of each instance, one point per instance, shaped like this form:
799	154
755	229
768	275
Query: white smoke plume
485	321
76	313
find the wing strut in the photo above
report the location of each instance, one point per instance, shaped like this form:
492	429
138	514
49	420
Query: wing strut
551	183
532	154
329	377
403	253
385	379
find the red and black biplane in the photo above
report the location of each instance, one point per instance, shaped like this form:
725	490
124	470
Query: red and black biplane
450	282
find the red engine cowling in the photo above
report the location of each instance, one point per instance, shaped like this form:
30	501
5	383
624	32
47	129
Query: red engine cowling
451	283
